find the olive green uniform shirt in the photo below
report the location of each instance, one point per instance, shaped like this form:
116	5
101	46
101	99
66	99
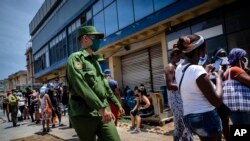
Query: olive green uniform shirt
89	89
12	99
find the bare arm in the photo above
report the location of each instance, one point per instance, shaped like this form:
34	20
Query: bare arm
244	78
170	73
214	96
48	99
146	100
137	104
247	70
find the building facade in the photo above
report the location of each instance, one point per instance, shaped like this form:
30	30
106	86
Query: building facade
17	80
139	34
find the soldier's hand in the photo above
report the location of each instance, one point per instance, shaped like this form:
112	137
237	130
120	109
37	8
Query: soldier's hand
106	115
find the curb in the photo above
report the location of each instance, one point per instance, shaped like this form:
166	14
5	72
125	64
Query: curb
55	136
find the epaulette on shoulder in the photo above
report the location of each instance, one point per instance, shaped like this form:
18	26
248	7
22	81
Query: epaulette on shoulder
75	54
78	53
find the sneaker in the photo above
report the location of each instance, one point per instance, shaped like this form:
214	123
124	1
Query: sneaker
131	128
44	130
136	131
47	130
53	126
61	124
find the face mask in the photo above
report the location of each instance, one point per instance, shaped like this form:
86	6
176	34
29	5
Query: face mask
96	44
245	62
203	60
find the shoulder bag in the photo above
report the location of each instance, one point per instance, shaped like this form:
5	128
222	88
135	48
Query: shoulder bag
236	95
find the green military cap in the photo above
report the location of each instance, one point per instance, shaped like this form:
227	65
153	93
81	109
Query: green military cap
89	30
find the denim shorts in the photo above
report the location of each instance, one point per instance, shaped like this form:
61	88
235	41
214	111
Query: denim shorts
206	124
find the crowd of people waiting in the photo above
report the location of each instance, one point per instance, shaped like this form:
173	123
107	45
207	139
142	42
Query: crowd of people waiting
46	104
206	96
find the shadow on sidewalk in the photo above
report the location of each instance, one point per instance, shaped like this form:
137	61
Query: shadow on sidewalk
41	133
64	128
169	133
73	139
8	127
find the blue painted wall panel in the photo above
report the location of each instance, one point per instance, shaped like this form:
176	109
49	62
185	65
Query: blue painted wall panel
61	18
159	16
74	8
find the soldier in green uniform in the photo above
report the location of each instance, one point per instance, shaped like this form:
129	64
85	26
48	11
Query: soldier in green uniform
13	101
90	93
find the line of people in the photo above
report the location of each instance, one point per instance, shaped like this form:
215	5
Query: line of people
31	104
203	98
200	98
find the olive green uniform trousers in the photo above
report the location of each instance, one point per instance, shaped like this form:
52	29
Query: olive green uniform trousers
94	126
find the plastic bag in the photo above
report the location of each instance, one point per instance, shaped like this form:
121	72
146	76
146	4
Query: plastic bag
19	114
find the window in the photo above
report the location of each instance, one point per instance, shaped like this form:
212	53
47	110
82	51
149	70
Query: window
125	13
99	22
211	22
58	50
107	2
40	62
74	41
72	38
97	7
70	43
142	8
111	19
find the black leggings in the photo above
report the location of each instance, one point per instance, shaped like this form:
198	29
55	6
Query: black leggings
143	113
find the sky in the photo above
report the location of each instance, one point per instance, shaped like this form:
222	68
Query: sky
15	16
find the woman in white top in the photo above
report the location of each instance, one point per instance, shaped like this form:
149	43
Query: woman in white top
199	95
21	105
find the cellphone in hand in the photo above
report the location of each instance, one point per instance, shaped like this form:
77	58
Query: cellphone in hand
216	65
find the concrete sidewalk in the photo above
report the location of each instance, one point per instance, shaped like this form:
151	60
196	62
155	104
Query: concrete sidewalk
27	128
69	134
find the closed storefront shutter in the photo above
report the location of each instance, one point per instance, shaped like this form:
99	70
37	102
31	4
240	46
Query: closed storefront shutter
135	69
157	68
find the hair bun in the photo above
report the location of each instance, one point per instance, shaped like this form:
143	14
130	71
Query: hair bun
190	42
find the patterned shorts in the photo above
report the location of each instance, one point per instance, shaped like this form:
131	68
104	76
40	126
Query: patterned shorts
46	116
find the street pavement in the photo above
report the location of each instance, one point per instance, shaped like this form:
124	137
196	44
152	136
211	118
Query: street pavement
27	128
